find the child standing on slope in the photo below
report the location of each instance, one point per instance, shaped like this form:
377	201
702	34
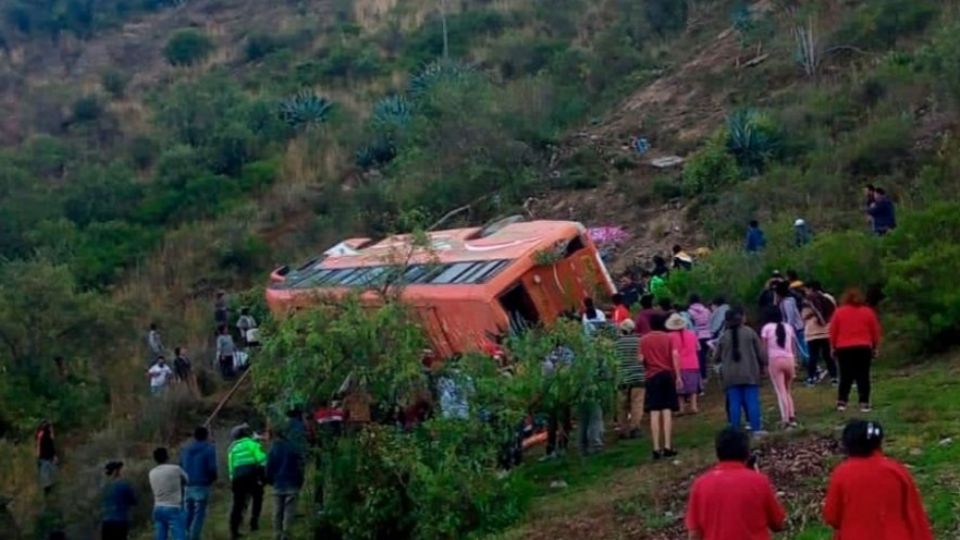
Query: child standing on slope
780	341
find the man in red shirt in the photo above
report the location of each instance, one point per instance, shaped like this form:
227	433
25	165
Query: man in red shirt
661	364
732	501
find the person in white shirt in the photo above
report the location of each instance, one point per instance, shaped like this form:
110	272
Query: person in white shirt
168	481
592	317
159	374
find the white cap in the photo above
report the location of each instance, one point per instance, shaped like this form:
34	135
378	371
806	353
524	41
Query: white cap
799	222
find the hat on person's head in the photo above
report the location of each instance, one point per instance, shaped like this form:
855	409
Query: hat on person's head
799	222
776	273
628	326
676	322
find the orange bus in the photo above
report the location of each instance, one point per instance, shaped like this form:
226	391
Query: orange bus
466	285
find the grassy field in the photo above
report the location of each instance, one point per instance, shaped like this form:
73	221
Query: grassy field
623	494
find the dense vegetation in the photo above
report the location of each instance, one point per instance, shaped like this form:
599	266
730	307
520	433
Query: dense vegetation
133	196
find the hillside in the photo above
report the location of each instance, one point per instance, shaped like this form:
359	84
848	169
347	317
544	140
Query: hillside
154	152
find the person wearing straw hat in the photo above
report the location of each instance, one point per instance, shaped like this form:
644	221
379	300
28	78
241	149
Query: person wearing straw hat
686	347
631	377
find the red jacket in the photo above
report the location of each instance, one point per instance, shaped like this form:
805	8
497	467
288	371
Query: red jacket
733	502
854	326
874	498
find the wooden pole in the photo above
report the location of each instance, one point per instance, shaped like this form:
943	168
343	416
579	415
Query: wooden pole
227	397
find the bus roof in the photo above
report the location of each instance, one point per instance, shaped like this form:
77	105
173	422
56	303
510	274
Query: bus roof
450	257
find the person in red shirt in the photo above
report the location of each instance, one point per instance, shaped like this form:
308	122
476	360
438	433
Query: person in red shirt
733	501
620	310
870	496
661	364
855	341
647	311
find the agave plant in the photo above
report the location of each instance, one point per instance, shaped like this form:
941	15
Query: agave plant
380	151
437	72
391	112
305	108
753	138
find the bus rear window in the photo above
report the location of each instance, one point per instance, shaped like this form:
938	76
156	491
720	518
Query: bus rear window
574	245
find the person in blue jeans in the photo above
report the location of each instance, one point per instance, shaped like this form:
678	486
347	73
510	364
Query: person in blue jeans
199	460
167	482
742	359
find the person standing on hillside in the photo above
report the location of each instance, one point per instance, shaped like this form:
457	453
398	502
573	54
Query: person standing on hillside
160	374
644	316
700	316
855	339
718	317
870	496
154	342
226	350
733	501
817	312
756	240
221	311
245	463
630	290
685	346
167	483
199	460
620	310
884	214
786	300
743	359
661	365
285	472
631	379
593	319
802	235
780	341
118	499
247	326
46	457
681	259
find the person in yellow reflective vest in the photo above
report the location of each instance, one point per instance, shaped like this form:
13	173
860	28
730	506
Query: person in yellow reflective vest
245	464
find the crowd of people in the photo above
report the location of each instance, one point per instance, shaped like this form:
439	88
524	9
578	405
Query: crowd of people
182	492
231	356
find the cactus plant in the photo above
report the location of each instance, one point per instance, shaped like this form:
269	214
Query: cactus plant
436	72
391	112
752	138
305	108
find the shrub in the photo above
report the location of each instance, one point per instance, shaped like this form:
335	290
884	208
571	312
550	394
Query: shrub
114	82
880	23
260	44
667	16
87	109
753	138
143	151
187	47
305	109
921	261
584	169
711	168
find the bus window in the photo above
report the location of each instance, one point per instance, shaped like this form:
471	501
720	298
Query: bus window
520	308
574	245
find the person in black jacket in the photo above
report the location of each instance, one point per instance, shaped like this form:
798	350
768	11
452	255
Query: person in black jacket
285	472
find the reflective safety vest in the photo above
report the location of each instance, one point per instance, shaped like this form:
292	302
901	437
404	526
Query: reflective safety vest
245	452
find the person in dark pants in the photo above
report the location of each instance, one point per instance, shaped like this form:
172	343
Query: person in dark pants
855	340
46	457
884	213
817	312
285	472
199	460
118	499
245	463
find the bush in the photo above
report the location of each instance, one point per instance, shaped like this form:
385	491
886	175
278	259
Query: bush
753	138
880	23
87	109
921	261
711	168
114	82
260	44
584	169
667	16
187	47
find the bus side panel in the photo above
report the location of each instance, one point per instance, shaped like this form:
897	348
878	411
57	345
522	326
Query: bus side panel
459	327
563	286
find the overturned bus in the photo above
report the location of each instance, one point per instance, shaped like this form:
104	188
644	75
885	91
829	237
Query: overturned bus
466	285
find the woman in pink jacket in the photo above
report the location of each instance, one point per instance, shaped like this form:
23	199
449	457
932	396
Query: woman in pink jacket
700	315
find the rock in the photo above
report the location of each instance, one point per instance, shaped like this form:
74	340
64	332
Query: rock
946	441
558	484
916	452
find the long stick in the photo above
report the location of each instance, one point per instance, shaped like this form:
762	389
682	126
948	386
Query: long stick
227	397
